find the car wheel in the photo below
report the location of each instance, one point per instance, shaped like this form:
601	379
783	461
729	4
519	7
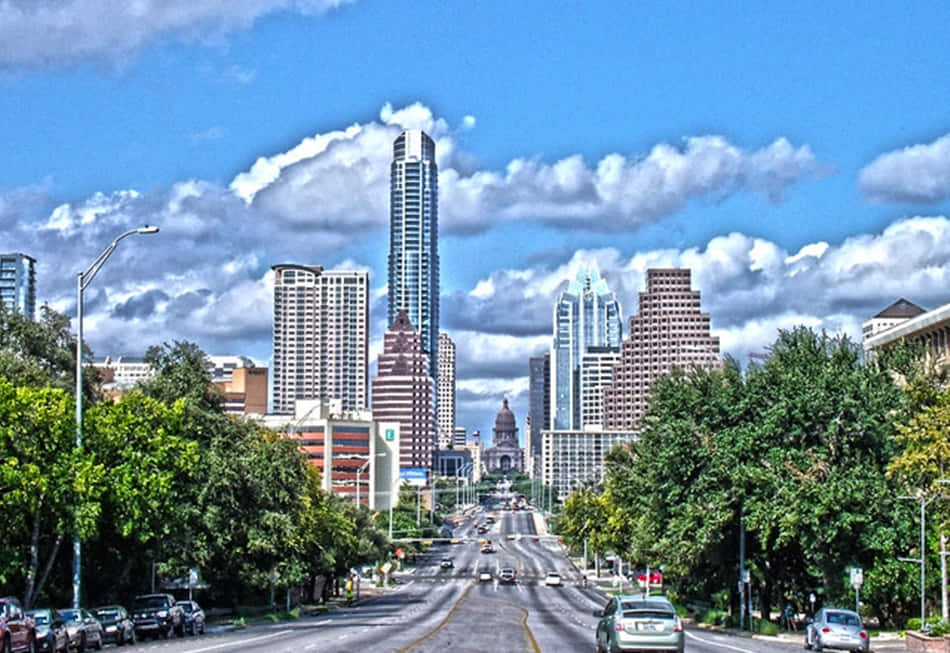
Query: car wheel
807	644
818	645
201	630
32	648
82	643
6	645
180	630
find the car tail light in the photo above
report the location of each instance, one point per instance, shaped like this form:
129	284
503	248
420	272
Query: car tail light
618	626
864	635
826	629
677	625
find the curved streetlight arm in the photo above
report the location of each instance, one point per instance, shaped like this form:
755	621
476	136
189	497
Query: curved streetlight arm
85	278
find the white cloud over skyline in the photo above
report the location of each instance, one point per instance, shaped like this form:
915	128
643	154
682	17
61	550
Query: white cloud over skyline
916	174
45	32
206	277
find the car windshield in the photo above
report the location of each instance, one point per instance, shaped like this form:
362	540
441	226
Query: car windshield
187	607
107	613
40	618
69	615
147	602
843	619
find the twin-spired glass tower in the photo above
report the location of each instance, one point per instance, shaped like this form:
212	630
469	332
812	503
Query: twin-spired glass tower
587	325
414	239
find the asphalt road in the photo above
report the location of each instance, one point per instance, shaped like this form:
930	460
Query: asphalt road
436	610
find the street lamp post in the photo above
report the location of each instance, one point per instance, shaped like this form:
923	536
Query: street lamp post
360	471
83	279
921	496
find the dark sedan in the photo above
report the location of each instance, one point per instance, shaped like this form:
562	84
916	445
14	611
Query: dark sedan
117	625
51	632
194	617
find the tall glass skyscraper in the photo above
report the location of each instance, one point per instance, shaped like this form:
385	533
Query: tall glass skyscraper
414	239
18	283
587	315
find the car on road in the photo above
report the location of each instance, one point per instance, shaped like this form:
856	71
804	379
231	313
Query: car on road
484	576
507	575
488	548
158	615
194	617
482	530
446	563
836	628
51	635
552	579
118	627
17	631
637	622
84	629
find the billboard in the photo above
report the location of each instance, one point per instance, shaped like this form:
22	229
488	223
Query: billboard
415	476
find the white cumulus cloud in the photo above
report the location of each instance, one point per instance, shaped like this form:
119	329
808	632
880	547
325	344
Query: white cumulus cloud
916	174
44	32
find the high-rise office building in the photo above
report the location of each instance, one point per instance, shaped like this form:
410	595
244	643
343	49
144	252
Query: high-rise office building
18	283
402	392
586	315
414	239
669	331
597	373
445	407
321	337
539	406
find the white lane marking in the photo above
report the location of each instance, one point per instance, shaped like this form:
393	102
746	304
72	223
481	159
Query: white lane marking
242	642
712	643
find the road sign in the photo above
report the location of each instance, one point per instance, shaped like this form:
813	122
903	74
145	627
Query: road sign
390	435
857	577
415	476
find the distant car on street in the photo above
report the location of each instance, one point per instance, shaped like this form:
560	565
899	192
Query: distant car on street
17	631
194	617
118	627
157	615
84	629
552	579
51	635
507	575
446	563
637	622
484	576
836	628
488	548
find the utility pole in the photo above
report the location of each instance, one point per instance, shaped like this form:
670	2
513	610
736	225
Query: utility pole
742	571
943	575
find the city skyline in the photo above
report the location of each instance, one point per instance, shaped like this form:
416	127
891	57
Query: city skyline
796	158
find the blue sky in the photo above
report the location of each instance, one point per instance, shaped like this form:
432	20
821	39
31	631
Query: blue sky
795	155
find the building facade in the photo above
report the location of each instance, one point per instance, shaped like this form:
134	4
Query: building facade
596	373
571	459
586	315
357	456
539	407
897	313
414	239
18	283
505	453
321	337
929	330
403	392
669	331
459	437
445	407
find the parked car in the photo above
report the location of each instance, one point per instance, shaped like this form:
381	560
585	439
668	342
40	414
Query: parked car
194	617
83	628
51	634
507	575
157	615
836	628
553	578
117	625
17	632
638	622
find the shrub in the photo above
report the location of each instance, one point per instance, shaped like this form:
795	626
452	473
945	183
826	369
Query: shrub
766	628
939	628
913	623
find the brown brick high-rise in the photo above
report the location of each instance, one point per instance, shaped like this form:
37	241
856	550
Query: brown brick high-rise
669	331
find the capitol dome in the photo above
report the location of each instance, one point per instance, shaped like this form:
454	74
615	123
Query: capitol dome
505	421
